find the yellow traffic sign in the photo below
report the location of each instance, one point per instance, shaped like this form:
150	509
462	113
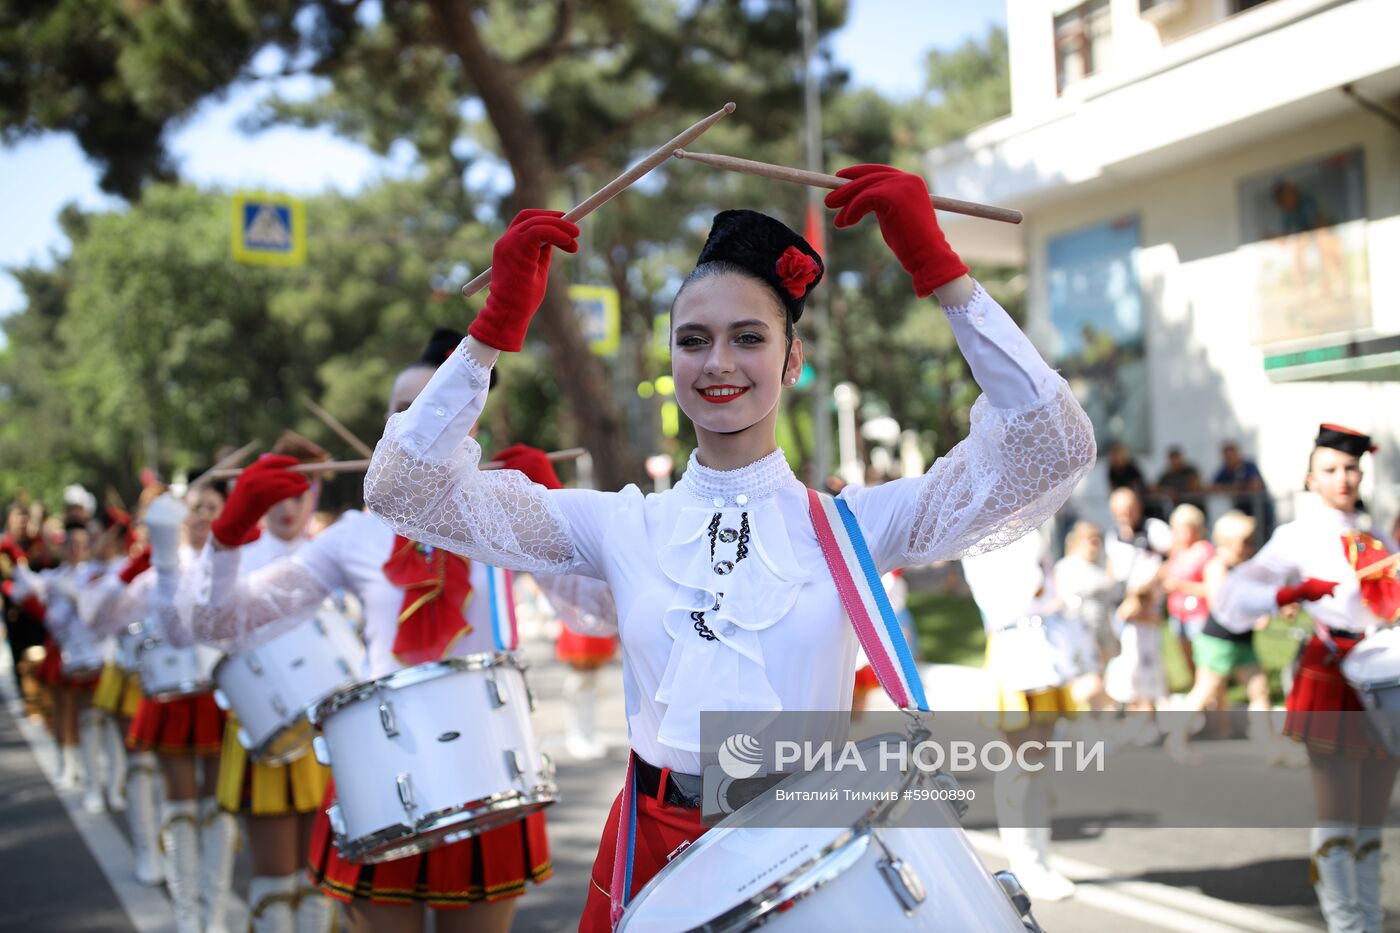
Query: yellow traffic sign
599	316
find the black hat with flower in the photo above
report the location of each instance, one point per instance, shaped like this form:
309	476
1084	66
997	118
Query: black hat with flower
767	249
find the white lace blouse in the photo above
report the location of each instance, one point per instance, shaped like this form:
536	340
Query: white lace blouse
723	598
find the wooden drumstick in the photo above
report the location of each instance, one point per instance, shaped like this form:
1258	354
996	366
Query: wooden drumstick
621	182
359	466
220	469
818	180
1378	568
332	422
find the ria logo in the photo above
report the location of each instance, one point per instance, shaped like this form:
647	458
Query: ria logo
741	756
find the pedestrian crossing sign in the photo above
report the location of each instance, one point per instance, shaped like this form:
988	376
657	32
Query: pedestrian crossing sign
269	230
598	316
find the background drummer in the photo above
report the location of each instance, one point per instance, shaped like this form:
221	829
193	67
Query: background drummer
471	885
278	802
1314	560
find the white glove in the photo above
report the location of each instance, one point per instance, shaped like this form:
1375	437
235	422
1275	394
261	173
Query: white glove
163	518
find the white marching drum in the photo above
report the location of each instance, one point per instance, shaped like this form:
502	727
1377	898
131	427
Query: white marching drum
271	687
431	755
83	655
128	643
1373	670
169	673
870	875
1024	655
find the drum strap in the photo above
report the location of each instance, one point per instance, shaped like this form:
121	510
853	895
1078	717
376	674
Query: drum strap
621	887
501	586
863	595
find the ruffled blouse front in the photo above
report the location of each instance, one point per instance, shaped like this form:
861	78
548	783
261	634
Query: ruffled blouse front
730	559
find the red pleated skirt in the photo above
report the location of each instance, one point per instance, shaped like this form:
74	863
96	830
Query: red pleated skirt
489	867
661	828
1324	712
573	648
192	725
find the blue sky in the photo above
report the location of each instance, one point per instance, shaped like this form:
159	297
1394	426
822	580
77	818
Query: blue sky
883	45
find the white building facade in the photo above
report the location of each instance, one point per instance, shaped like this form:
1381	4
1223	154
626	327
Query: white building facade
1212	233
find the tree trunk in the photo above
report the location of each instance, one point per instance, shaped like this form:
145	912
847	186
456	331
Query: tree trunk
578	371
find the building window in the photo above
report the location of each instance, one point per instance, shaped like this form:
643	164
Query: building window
1081	41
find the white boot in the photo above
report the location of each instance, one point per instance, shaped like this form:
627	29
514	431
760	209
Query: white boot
180	836
1368	878
1022	808
90	740
580	699
1334	877
116	764
271	903
218	837
143	816
315	911
70	768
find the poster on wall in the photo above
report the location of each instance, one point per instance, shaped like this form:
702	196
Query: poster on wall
1303	242
1096	314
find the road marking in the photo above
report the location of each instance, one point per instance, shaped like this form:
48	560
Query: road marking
147	908
1167	906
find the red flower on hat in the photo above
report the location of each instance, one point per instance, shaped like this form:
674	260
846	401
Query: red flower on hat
797	270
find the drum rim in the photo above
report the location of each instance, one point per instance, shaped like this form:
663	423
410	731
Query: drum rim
379	846
259	752
764	901
409	676
185	688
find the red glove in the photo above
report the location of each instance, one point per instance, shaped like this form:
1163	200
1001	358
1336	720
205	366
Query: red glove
136	565
519	275
901	204
531	461
259	488
1310	590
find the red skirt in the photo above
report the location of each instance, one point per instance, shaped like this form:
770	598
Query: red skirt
51	670
489	867
1324	712
192	725
660	828
586	650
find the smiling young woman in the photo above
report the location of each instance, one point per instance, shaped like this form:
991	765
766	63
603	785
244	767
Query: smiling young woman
723	595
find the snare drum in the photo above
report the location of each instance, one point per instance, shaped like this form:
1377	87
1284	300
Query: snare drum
270	687
870	875
128	643
431	755
168	673
82	657
1373	670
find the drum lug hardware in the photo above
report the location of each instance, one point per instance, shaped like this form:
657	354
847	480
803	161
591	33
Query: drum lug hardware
546	767
337	819
254	664
514	764
279	706
685	844
405	787
221	700
904	882
244	738
530	697
386	719
321	750
1020	900
494	691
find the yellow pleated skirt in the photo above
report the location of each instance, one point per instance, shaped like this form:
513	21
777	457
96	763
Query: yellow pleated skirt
253	788
1017	709
118	691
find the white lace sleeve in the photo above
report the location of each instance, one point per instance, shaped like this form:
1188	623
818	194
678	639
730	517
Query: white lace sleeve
108	606
1029	445
425	482
236	612
583	604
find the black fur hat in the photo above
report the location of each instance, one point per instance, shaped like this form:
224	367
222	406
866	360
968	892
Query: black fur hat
768	249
